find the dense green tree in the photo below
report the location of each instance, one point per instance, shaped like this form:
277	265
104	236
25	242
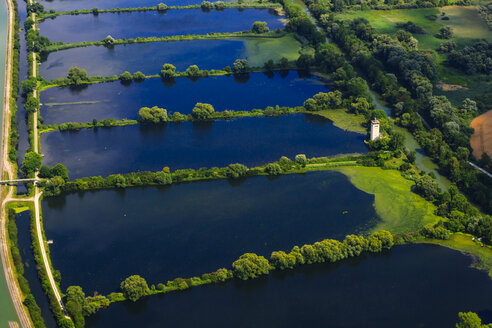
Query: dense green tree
31	163
154	115
29	85
193	71
260	27
469	320
109	41
241	66
32	104
202	111
59	170
250	266
207	5
219	5
139	76
236	170
134	287
273	169
280	260
125	77
427	187
168	71
445	32
161	7
301	159
76	75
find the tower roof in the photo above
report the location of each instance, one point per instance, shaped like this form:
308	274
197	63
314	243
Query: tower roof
374	121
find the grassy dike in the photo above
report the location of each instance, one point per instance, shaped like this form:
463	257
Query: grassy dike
344	120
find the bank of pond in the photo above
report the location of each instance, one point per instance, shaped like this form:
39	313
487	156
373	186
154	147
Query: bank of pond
121	101
252	141
78	28
68	5
409	286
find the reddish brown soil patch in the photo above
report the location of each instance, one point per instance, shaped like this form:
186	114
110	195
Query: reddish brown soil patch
481	140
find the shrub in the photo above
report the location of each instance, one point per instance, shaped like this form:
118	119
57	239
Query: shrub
273	169
260	27
235	171
139	76
154	115
250	266
125	77
207	5
202	111
161	7
168	71
134	287
241	66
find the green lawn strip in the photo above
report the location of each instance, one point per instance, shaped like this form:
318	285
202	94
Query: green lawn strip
260	50
464	243
399	209
342	119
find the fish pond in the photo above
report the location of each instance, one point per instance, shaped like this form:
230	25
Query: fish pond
78	28
149	57
411	286
145	57
102	237
118	101
250	141
68	5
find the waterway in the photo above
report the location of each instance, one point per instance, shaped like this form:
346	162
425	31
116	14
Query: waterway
119	101
68	28
411	286
7	311
102	237
250	141
23	222
67	5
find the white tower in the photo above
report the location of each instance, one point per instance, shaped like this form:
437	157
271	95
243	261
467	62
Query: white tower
374	129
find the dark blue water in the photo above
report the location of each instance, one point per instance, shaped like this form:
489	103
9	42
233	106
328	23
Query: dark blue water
411	286
67	5
79	28
145	57
251	141
115	100
23	221
102	237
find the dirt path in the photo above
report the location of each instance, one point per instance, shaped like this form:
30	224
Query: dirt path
481	140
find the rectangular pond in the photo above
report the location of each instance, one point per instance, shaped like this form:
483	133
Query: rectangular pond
68	5
251	141
145	57
411	286
77	28
118	101
102	237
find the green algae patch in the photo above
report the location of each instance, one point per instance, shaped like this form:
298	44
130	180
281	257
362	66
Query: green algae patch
342	119
399	209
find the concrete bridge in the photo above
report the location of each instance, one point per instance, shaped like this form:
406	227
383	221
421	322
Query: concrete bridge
9	182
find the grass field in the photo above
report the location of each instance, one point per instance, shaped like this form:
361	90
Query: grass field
464	243
465	22
399	208
344	120
258	51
